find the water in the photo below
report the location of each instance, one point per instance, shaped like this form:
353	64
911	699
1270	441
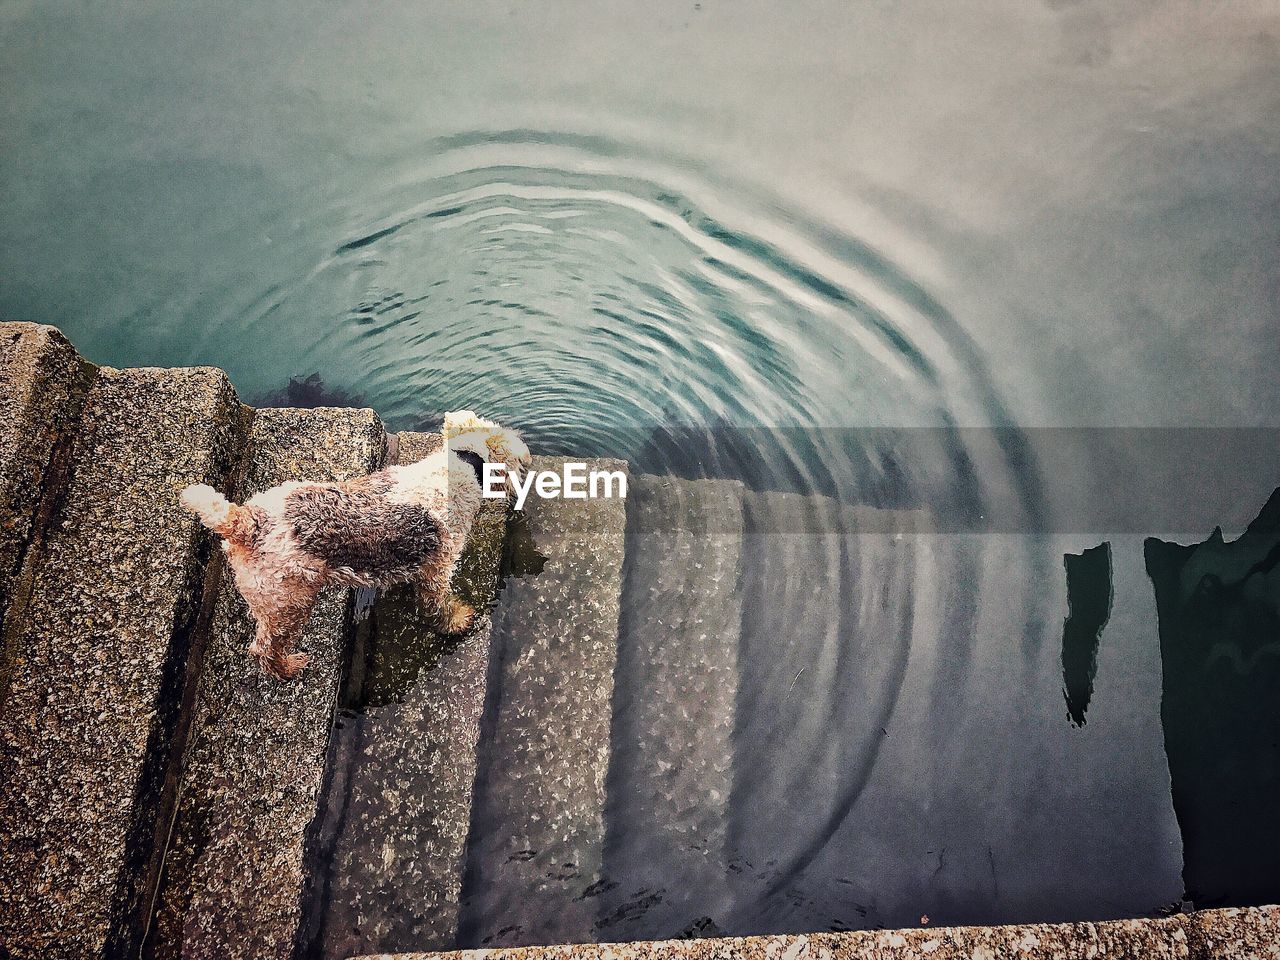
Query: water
627	229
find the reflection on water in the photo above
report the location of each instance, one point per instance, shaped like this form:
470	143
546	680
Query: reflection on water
1089	597
308	392
1219	606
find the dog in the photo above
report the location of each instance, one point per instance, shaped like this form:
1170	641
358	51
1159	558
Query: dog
402	524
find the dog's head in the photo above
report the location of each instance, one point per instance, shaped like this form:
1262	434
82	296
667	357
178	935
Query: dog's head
492	442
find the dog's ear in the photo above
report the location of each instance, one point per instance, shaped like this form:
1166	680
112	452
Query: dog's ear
486	446
475	461
516	445
452	421
465	421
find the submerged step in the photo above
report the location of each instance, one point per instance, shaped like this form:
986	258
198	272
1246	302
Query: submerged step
401	804
98	673
536	845
42	385
671	769
234	883
829	605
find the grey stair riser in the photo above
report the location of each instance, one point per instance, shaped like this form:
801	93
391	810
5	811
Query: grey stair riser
827	632
43	382
536	845
235	877
395	867
99	687
671	771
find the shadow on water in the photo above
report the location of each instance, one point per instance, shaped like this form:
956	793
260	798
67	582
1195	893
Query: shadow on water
1219	610
308	392
1089	597
757	690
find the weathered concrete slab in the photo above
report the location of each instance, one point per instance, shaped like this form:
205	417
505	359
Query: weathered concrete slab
671	767
1252	934
98	679
234	878
536	844
42	385
401	819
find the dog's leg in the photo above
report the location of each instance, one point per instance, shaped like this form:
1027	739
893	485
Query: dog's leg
280	626
447	612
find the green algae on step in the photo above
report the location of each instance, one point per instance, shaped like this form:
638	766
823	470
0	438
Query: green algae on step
234	877
98	682
404	800
536	844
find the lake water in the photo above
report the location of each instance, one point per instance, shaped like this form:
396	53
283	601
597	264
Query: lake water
1012	264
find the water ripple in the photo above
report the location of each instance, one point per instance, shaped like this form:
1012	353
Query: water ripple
612	302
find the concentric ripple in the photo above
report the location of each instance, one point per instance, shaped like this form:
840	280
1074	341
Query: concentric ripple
599	300
611	302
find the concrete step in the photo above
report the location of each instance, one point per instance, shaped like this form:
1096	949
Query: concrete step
1231	934
401	803
673	713
826	632
234	879
42	386
98	676
537	831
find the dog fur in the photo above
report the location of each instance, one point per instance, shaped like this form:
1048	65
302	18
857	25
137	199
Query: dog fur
399	525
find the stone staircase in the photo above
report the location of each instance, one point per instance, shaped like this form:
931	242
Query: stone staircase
254	767
160	798
158	795
101	638
404	762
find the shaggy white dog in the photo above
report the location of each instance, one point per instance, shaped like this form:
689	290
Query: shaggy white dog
401	524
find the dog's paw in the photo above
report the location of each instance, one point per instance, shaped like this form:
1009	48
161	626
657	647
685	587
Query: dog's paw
283	666
293	664
458	618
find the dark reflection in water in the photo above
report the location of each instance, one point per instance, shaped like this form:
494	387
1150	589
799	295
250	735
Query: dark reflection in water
1089	596
1219	608
308	392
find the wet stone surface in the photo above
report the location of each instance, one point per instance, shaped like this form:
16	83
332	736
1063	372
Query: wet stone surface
401	807
1252	934
42	385
536	844
97	680
809	628
234	880
677	678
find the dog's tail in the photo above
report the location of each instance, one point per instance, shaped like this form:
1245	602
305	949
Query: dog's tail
230	521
